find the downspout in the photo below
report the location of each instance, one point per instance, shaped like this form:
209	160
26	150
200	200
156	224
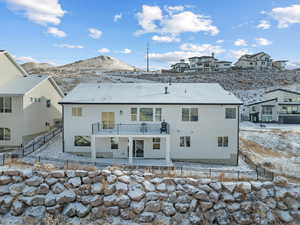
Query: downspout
63	126
238	138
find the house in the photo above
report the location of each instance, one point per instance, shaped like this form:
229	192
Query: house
279	64
201	64
28	104
258	61
180	67
278	105
182	121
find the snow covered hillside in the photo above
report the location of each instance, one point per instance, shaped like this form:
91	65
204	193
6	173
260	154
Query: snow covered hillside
275	147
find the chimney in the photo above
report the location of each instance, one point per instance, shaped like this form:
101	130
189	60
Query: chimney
166	90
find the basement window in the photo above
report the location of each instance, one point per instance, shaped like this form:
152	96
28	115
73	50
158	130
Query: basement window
82	141
156	143
223	141
185	141
114	143
5	134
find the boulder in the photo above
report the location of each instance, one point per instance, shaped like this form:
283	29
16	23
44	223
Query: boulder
50	199
81	173
5	180
182	207
161	187
152	196
121	187
97	188
29	191
58	174
146	217
4	189
137	207
43	189
16	189
148	186
136	195
201	195
168	209
36	212
152	206
113	211
111	179
17	208
124	179
280	181
127	214
50	180
65	197
123	201
75	181
37	200
217	186
110	200
58	188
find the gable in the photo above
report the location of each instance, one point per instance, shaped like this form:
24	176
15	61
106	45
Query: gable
9	69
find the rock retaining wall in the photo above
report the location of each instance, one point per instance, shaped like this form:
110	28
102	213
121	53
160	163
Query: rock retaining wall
136	197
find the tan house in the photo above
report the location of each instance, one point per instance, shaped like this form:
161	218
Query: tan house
28	104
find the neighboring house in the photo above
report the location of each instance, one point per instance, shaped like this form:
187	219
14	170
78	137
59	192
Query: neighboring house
279	64
258	61
180	67
181	121
279	105
201	64
28	104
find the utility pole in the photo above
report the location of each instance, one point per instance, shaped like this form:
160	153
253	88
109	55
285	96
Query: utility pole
147	56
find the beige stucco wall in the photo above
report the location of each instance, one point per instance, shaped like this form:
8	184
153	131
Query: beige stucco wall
204	132
14	121
8	71
36	114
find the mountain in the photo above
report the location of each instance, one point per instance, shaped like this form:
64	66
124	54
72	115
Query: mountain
33	66
103	63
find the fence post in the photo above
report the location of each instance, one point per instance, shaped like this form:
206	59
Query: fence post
209	172
23	151
3	157
238	172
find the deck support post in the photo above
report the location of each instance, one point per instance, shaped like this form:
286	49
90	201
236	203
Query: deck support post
168	146
130	150
93	147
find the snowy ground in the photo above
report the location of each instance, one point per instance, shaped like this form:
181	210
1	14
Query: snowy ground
53	150
275	146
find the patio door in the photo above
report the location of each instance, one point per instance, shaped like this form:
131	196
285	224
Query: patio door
108	120
138	148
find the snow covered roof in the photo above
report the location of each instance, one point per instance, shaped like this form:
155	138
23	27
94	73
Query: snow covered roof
150	93
22	85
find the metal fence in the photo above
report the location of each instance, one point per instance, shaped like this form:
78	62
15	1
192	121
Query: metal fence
34	145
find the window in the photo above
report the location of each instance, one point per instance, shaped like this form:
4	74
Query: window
76	111
48	103
82	141
156	143
223	141
254	108
189	114
146	114
114	143
158	114
230	113
5	134
5	104
185	141
266	110
133	112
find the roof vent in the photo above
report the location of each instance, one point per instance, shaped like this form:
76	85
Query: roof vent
166	90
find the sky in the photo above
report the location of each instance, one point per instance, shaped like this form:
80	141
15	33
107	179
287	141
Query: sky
63	31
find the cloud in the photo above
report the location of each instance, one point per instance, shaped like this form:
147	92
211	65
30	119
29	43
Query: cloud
95	33
68	46
56	32
166	39
152	20
24	59
126	51
118	17
263	41
148	17
103	50
38	11
176	8
220	41
240	42
238	53
264	25
286	16
187	50
204	49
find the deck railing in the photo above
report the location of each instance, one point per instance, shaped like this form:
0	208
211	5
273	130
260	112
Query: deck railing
138	128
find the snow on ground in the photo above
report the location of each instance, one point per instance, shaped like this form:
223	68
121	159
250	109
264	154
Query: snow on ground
53	150
275	146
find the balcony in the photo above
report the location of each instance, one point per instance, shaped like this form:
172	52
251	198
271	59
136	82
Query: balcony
130	129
